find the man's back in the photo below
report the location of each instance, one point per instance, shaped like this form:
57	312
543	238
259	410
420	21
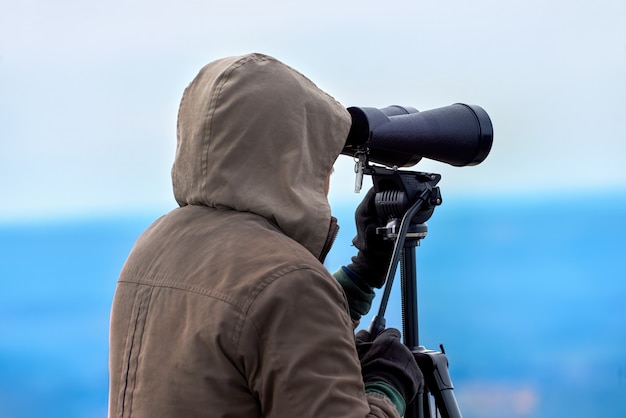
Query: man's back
212	306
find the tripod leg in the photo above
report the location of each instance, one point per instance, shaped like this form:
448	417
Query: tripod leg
420	407
434	367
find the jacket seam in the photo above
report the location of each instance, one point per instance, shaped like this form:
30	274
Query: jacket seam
143	303
189	289
224	78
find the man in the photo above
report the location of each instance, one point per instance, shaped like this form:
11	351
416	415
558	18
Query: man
224	308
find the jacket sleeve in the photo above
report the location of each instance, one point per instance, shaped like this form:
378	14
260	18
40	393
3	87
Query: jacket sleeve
359	298
297	350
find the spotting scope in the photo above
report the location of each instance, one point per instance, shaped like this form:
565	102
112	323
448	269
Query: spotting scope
458	135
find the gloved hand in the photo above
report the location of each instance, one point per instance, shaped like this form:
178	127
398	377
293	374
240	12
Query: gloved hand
385	359
372	261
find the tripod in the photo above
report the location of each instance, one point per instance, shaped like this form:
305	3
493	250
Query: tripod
397	190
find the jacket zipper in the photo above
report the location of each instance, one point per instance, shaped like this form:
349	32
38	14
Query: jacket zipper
333	230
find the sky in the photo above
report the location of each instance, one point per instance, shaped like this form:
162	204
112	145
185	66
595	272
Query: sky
89	92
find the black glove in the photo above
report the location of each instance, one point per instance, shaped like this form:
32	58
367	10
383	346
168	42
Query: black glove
386	359
372	261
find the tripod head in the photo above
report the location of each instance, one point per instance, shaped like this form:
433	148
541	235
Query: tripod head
396	192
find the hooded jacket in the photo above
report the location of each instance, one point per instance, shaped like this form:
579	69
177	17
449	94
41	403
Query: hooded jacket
223	307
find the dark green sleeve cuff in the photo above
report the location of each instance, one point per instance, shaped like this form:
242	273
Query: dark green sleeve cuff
388	391
359	300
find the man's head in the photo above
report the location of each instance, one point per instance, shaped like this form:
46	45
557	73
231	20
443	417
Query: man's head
255	135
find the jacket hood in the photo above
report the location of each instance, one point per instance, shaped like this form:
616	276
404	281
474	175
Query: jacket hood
255	135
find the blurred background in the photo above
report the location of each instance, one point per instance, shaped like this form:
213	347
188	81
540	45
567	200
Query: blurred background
521	275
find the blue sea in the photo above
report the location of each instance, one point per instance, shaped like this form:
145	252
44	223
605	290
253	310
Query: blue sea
527	295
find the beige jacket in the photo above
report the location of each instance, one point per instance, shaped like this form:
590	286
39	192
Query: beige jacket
223	308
